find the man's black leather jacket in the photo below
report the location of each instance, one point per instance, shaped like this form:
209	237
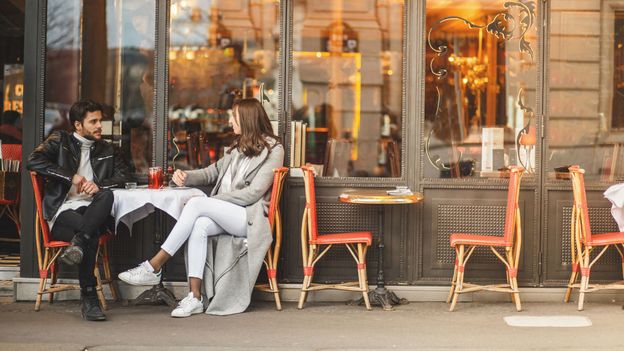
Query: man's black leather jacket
58	158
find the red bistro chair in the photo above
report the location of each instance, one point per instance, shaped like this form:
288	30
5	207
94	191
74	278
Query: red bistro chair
511	241
49	250
11	207
275	221
583	242
312	242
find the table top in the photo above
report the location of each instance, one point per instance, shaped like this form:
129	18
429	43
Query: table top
378	197
132	205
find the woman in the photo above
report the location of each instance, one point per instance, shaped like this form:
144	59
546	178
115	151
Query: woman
237	206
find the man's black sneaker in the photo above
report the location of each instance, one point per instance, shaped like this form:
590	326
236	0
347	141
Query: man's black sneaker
72	255
90	306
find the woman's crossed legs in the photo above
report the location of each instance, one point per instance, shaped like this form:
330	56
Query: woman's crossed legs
201	217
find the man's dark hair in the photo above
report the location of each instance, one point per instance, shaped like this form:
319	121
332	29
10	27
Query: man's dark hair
10	117
78	111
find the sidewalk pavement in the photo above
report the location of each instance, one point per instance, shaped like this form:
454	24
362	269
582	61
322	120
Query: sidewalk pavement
320	326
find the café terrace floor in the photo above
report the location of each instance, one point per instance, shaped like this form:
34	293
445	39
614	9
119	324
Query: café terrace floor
320	326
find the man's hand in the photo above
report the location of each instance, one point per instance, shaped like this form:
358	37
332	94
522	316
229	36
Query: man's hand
179	177
90	188
78	181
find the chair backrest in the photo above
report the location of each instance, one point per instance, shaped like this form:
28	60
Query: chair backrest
513	194
310	194
279	174
337	157
580	201
37	183
12	151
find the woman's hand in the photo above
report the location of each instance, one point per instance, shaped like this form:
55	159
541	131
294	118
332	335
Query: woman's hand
179	177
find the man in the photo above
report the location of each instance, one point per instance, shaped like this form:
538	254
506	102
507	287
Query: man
79	168
9	132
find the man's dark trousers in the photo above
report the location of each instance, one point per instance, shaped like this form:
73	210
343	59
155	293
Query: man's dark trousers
89	222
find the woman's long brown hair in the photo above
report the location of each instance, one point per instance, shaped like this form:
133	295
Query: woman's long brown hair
255	128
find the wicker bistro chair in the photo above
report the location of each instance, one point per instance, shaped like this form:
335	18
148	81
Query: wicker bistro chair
49	250
583	242
311	244
10	207
511	241
275	221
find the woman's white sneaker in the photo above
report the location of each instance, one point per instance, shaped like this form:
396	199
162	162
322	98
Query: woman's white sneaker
141	275
188	306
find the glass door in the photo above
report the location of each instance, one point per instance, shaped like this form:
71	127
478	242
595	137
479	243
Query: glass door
585	125
481	115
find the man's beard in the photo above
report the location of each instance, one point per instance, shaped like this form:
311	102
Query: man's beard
91	137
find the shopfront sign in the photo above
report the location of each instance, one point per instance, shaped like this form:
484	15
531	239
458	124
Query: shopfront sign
13	88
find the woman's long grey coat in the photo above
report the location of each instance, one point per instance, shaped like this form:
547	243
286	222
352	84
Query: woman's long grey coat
233	264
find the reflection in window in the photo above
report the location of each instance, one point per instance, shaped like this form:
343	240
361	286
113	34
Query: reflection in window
586	107
118	74
218	51
347	86
480	88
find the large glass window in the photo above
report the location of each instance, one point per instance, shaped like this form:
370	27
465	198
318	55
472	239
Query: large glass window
586	90
480	87
103	50
347	86
218	51
11	72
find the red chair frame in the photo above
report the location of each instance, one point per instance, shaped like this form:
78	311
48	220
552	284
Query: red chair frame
583	241
275	222
511	241
312	243
49	250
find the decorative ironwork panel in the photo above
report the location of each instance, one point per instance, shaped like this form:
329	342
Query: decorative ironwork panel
484	220
601	221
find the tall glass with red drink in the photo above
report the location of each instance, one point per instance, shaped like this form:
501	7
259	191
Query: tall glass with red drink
155	178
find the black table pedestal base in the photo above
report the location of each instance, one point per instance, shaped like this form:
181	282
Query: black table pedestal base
382	297
157	295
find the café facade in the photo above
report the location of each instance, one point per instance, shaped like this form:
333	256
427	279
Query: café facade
438	96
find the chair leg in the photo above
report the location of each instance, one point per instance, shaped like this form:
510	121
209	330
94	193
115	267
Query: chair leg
13	214
571	282
307	279
53	277
362	276
304	293
43	276
513	280
583	290
42	283
584	278
582	293
460	276
107	273
453	283
98	278
508	277
278	301
516	294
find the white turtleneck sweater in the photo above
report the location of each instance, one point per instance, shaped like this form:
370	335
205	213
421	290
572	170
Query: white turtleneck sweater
73	200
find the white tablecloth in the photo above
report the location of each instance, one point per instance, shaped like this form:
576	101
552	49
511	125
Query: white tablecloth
615	194
132	205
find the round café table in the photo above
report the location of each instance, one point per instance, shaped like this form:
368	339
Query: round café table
132	205
380	295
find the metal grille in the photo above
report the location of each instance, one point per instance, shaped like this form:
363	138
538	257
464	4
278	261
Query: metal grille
601	221
339	218
473	219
